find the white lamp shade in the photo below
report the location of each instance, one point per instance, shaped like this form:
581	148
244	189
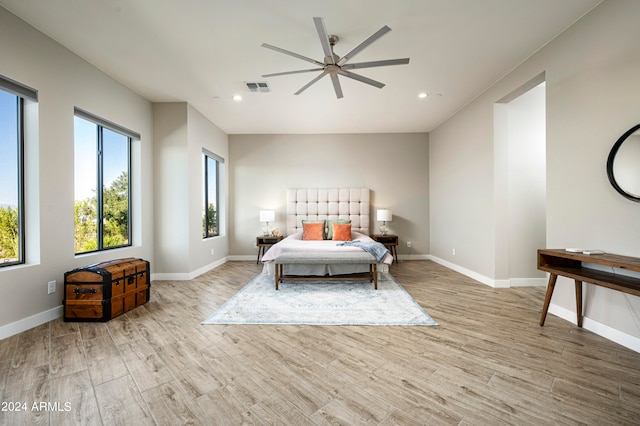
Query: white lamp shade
267	215
384	215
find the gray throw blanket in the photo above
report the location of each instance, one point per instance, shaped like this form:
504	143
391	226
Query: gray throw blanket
378	250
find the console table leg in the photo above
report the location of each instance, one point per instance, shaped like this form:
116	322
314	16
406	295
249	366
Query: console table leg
547	298
579	302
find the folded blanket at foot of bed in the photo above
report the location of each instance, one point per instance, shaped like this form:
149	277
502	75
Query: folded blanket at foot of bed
379	251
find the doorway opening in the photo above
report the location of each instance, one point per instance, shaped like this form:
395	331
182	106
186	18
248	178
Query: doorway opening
520	184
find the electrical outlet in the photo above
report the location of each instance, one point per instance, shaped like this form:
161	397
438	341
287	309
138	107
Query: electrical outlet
409	244
51	287
453	252
213	252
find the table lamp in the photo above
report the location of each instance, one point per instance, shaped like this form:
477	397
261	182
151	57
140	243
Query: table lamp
267	216
384	216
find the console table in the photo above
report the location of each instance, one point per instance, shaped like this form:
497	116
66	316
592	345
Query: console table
568	264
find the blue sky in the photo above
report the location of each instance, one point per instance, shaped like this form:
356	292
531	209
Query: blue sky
115	157
115	154
8	150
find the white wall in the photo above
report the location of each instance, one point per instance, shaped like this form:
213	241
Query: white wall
519	186
64	81
527	201
592	83
393	166
625	165
181	132
171	178
204	134
461	190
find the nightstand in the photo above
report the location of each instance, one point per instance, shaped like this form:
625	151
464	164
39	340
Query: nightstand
264	243
390	242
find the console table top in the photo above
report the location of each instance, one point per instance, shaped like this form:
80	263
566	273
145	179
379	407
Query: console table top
607	259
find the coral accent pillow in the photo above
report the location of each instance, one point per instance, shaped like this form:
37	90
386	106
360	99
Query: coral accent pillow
330	223
313	231
342	231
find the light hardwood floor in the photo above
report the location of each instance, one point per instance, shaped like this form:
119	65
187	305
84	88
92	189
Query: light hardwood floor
488	362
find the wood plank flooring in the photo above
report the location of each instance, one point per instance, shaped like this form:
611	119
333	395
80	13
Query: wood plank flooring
487	363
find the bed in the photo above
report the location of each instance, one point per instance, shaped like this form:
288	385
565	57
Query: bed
344	206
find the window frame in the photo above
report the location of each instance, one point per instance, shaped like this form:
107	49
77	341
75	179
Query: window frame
206	157
20	175
23	93
101	125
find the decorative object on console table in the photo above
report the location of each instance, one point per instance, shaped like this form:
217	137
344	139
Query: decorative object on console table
106	290
384	216
267	216
390	242
570	264
264	243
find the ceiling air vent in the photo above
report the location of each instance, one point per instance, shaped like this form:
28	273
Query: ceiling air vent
262	87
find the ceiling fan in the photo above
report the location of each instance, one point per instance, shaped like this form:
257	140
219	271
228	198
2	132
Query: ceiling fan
334	65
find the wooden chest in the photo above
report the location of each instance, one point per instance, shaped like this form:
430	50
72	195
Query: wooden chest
105	290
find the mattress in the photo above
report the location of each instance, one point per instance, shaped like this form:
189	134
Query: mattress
295	243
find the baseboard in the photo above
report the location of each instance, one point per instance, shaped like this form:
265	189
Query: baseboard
627	340
469	273
508	283
30	322
186	276
610	333
57	312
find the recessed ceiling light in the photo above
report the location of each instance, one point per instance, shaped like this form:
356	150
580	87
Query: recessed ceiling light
423	95
237	98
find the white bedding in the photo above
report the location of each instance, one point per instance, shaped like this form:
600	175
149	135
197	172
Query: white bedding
295	243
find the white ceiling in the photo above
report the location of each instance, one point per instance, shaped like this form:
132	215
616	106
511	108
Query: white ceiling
203	52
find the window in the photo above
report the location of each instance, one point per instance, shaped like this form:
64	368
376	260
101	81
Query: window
211	185
13	96
102	201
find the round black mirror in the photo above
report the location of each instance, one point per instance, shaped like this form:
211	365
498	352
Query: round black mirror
623	164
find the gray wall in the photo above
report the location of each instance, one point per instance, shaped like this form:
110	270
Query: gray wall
441	186
64	81
592	84
181	132
393	166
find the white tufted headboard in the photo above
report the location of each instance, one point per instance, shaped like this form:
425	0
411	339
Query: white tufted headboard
334	203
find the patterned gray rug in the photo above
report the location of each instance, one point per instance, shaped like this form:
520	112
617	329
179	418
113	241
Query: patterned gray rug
322	303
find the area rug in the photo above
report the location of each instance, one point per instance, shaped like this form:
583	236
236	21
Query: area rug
322	303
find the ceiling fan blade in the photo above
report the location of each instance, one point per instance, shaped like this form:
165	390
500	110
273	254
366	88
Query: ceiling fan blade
382	31
295	55
291	72
376	64
336	85
324	40
361	78
306	86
